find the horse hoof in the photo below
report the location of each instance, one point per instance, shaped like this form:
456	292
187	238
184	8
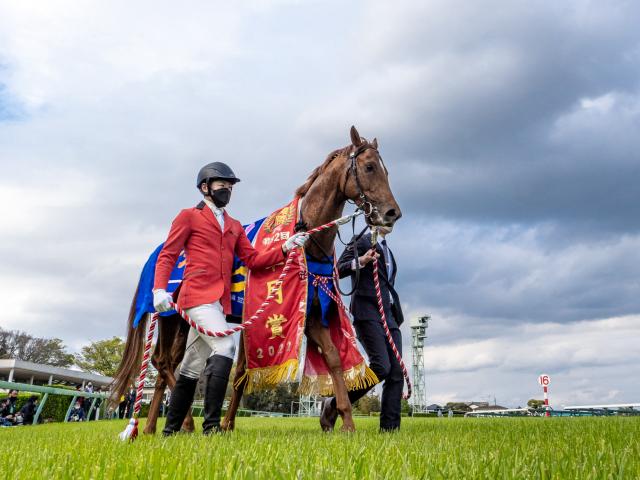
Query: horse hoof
348	428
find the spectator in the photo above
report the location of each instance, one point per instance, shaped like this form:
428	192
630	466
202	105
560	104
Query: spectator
28	410
9	412
122	406
4	422
96	410
77	413
80	398
131	401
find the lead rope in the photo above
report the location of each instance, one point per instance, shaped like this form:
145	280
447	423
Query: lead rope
383	322
131	431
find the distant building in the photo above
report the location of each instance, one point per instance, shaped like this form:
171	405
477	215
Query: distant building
19	371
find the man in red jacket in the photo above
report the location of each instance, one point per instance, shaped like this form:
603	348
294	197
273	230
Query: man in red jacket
210	238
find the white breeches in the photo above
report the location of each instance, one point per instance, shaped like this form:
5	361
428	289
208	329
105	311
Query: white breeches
200	347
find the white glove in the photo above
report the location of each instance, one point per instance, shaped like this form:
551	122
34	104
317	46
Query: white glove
162	300
295	241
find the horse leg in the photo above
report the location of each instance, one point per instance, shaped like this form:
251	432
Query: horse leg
154	408
229	422
320	335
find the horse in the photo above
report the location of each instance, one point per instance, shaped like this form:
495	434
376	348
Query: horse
353	173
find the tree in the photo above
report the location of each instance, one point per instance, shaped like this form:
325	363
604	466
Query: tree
533	403
367	404
22	346
405	407
457	406
101	357
276	400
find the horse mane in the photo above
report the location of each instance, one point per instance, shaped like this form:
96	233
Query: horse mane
304	188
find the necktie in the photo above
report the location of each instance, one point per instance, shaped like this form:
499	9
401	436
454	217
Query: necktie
387	258
220	217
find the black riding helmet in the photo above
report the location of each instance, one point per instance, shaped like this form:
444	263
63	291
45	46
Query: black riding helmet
216	170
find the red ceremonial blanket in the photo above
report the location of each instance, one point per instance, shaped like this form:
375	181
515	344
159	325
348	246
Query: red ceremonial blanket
273	344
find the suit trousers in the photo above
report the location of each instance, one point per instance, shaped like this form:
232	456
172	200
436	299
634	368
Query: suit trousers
200	347
386	367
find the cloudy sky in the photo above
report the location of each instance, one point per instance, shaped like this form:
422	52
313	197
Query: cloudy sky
510	130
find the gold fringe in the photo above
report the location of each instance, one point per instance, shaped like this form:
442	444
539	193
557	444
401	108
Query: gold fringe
357	377
239	381
269	377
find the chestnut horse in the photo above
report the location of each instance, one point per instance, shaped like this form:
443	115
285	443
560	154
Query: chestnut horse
356	173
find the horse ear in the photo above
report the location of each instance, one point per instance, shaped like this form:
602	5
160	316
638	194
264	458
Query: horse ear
374	144
355	137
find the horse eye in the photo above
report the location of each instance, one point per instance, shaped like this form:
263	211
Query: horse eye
370	167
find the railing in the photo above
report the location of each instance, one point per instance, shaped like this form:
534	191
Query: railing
46	390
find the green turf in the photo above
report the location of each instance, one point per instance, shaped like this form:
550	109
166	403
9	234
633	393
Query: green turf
272	448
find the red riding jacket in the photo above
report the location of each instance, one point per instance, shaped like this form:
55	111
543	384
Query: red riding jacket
209	253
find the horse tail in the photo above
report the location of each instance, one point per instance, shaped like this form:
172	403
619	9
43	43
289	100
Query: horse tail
132	356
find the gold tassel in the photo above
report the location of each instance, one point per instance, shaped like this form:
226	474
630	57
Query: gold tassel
269	377
239	381
357	377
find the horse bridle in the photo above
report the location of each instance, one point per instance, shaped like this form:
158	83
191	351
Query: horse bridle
365	204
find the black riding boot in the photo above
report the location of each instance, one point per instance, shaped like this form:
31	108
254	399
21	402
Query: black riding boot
181	398
217	375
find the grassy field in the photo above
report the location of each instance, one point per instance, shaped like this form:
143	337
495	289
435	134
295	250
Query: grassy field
272	448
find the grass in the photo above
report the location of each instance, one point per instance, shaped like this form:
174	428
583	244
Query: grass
274	448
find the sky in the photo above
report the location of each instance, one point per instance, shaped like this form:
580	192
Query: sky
509	128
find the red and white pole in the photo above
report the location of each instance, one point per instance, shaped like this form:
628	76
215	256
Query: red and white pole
545	380
546	401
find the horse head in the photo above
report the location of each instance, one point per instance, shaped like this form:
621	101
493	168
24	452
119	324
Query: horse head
367	182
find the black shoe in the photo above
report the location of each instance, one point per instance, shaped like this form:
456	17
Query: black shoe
328	415
181	398
217	376
390	429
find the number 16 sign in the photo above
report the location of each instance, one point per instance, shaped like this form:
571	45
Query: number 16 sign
545	380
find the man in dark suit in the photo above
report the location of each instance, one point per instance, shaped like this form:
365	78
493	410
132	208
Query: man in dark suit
364	307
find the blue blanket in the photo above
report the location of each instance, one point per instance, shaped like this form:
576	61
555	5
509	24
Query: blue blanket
325	270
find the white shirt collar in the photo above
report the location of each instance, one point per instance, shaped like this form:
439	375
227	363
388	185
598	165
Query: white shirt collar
216	211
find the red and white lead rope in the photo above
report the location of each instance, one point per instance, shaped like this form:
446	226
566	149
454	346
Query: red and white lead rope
131	432
383	322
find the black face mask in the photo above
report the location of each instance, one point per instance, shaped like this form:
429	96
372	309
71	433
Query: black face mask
221	197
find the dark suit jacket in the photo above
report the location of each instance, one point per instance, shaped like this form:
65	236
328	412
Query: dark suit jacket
364	302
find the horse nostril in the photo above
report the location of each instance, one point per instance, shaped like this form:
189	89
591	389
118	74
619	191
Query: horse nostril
391	213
